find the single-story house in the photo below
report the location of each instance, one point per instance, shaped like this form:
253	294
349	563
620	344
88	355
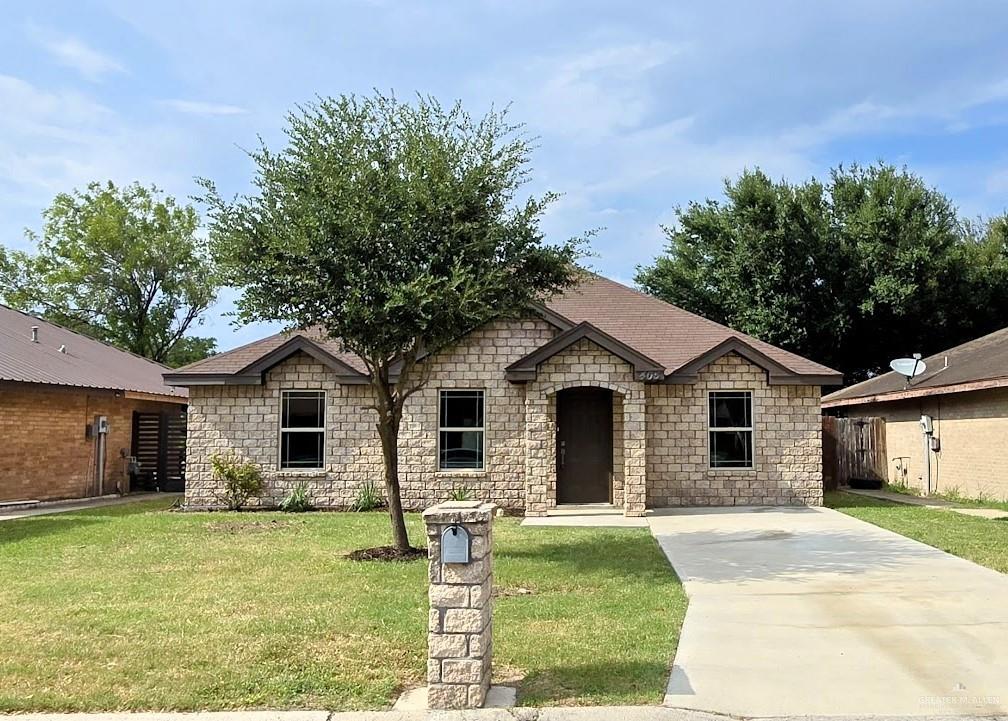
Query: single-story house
957	409
600	395
77	416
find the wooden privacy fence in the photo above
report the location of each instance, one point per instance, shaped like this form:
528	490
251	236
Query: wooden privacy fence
853	448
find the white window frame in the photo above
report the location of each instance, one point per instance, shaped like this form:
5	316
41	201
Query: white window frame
280	435
751	429
481	428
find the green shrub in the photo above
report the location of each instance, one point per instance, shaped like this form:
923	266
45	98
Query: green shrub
368	497
461	493
297	500
241	480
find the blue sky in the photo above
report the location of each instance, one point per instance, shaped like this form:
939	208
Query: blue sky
638	108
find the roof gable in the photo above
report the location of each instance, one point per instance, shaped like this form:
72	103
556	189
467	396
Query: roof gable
777	374
253	372
525	369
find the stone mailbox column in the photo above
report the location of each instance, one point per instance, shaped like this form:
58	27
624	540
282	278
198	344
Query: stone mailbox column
461	615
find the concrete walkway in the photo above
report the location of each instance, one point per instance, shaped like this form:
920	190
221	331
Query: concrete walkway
938	504
808	611
592	515
44	509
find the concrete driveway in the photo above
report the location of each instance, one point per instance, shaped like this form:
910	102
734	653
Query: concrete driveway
808	611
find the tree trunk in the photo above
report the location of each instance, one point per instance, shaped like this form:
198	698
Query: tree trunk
388	430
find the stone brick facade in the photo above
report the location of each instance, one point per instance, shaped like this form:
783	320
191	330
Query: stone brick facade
787	463
659	430
45	455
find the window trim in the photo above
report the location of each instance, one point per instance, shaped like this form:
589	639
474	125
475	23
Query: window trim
281	430
751	429
481	428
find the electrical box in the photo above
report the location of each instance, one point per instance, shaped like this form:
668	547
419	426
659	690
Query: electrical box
926	424
935	444
101	426
455	545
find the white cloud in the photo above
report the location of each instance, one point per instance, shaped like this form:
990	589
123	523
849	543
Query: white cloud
53	141
589	95
74	53
197	107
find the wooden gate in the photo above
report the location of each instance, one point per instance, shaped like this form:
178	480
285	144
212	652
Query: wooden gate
853	448
159	446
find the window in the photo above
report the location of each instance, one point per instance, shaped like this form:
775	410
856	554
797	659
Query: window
730	429
302	429
460	430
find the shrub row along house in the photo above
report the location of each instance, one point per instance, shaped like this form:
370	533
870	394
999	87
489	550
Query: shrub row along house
947	429
79	417
601	395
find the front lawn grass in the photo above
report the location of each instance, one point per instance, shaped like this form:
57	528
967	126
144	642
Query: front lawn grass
134	607
981	540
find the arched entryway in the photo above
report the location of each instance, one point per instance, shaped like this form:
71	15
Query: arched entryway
584	445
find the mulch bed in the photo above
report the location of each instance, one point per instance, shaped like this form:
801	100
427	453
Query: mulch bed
387	553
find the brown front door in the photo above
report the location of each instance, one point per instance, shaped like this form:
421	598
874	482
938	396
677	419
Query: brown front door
584	445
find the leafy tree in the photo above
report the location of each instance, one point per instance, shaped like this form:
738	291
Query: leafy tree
190	349
870	265
395	228
123	265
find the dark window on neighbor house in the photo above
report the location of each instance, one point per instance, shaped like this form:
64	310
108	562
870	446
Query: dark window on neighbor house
302	429
730	429
460	429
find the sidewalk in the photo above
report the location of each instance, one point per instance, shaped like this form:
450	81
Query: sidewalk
580	713
83	504
937	504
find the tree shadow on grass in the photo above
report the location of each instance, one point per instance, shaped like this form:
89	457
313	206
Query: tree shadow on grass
603	682
19	529
607	553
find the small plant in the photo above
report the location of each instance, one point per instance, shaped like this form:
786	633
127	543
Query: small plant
241	480
461	493
901	486
297	500
368	498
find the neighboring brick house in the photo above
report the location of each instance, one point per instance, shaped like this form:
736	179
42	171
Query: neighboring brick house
601	395
964	394
54	383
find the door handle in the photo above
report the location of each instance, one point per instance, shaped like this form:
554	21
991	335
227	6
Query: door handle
563	453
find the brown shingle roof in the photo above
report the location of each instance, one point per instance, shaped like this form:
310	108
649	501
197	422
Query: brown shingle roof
980	361
86	363
658	330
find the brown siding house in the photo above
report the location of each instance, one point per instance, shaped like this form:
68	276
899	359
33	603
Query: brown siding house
964	395
54	384
601	395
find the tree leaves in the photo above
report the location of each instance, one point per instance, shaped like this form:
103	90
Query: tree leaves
123	265
851	273
393	226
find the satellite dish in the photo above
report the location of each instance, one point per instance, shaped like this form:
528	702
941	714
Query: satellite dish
909	367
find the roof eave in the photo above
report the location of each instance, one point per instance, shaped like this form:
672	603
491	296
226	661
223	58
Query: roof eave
918	392
777	373
525	369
